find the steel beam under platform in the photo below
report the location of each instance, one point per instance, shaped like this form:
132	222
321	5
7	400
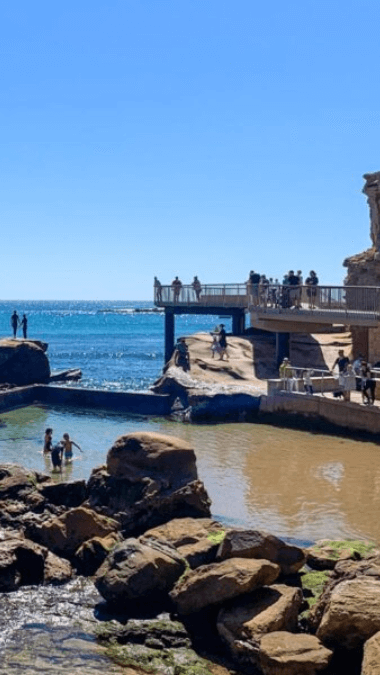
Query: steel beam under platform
236	313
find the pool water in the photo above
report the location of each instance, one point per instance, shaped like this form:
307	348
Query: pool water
292	483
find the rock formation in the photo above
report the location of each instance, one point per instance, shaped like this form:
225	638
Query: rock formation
363	269
23	362
238	593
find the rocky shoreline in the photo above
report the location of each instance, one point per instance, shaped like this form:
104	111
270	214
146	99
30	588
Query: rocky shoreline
154	583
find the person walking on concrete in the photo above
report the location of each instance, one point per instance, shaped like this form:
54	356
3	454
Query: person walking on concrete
15	322
24	325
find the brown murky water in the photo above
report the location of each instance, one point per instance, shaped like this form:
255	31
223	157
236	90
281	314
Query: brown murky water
293	483
290	482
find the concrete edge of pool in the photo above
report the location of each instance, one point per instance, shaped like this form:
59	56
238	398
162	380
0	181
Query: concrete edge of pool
319	413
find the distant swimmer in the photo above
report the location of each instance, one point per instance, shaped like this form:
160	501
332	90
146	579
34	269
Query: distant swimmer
48	440
15	322
68	447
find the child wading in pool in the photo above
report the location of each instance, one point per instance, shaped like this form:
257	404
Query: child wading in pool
68	447
48	440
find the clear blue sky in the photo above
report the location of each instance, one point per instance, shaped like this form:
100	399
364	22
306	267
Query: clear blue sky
208	137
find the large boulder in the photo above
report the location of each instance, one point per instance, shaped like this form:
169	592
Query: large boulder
243	623
196	539
371	656
213	584
352	614
21	562
23	362
65	534
57	570
136	571
142	455
149	479
67	493
239	543
283	653
344	570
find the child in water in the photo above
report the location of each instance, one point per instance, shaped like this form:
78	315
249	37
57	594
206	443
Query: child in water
68	447
48	440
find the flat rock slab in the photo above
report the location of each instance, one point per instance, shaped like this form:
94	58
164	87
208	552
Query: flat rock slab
215	583
239	543
137	571
196	539
247	619
283	653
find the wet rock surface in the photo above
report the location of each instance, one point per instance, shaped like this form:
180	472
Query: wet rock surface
52	630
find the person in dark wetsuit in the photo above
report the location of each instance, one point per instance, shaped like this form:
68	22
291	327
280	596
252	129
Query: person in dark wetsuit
15	322
182	357
24	325
56	456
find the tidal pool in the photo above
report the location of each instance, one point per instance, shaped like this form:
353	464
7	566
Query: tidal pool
295	484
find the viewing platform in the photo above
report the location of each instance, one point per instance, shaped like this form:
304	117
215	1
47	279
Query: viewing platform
275	308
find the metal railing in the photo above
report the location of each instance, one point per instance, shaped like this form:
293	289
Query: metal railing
360	301
209	295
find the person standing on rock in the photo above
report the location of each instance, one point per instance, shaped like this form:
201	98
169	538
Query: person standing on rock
15	322
182	357
222	343
24	325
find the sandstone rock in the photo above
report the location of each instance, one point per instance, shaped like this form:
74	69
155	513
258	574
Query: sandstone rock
137	571
140	455
21	562
247	619
196	539
57	570
64	535
283	653
344	570
16	482
93	553
145	504
352	614
23	362
325	554
71	493
255	544
215	583
371	656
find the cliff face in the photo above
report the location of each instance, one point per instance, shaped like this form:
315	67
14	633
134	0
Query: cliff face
363	269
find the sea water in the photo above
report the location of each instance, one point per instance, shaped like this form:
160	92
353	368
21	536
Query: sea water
289	482
118	345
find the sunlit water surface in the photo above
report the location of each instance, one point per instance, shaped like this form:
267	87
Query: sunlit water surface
295	484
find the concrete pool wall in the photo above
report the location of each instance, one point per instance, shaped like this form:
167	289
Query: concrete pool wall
143	403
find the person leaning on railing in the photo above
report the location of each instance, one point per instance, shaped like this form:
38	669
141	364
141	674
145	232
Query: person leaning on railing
312	282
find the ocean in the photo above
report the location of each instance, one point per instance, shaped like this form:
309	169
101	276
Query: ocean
118	344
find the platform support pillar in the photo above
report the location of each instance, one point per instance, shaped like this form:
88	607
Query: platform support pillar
169	335
238	323
282	347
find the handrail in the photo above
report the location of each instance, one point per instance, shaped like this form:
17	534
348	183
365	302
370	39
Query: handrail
274	298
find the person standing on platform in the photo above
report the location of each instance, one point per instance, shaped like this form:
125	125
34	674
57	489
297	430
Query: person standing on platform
24	325
176	286
197	287
158	290
15	322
